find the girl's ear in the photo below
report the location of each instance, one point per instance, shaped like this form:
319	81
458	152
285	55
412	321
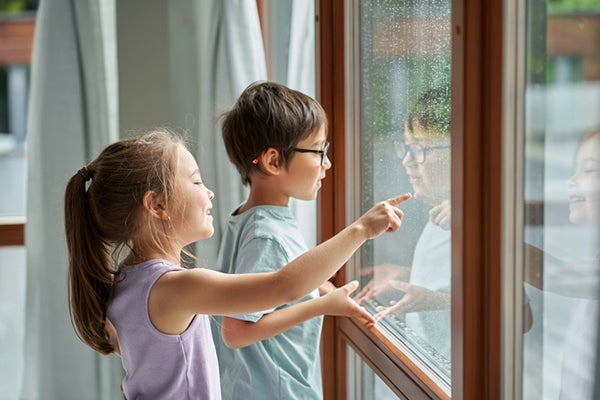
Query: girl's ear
154	204
270	161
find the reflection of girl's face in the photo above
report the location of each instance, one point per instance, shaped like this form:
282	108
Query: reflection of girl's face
430	179
584	185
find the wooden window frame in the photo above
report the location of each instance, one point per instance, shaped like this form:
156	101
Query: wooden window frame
16	43
12	231
477	212
16	39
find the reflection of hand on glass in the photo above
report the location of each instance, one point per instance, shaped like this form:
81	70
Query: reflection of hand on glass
416	298
380	282
440	215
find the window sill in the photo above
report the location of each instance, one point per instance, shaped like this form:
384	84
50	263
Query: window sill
12	231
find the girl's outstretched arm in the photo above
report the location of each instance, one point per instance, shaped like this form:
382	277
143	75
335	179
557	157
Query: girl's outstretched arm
177	296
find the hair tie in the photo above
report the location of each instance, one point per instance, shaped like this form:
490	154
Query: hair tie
85	173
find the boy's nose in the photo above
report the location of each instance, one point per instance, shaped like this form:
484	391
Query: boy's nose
407	160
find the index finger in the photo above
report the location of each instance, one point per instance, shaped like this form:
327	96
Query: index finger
395	201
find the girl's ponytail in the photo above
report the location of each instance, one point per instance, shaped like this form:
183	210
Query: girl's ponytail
90	277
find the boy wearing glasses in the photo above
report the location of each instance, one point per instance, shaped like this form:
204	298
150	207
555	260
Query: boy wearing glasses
277	139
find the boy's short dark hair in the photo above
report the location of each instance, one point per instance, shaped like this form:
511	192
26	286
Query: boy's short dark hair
431	111
268	114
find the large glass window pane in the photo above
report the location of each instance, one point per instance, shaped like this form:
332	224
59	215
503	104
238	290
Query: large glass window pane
561	198
404	141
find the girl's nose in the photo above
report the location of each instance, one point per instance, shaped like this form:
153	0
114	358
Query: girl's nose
211	194
326	163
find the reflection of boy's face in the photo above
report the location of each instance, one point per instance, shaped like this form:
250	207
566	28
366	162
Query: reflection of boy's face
430	179
584	185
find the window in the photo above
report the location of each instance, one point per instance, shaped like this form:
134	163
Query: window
456	46
559	138
403	145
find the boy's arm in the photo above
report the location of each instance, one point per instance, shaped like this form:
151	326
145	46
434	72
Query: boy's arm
238	333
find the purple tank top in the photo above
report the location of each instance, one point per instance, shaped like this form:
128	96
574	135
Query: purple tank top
157	365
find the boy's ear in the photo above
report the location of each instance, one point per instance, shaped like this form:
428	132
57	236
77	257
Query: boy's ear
154	204
270	161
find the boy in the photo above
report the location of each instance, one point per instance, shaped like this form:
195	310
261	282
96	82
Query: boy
277	139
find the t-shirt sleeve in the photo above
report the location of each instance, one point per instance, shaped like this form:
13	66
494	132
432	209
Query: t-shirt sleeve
260	255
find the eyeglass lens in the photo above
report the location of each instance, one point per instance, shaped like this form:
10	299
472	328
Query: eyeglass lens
324	153
415	150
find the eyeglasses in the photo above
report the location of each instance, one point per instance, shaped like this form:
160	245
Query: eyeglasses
323	152
417	152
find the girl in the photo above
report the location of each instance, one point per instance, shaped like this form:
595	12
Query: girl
128	216
579	354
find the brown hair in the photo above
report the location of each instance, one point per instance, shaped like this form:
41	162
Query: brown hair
268	114
103	218
431	111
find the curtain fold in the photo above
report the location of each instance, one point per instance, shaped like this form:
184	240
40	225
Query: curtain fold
232	59
227	52
71	117
301	76
73	114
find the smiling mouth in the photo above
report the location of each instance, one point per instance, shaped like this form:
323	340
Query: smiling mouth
576	199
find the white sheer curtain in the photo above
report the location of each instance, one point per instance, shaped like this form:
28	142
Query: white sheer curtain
290	31
215	51
222	40
72	114
301	76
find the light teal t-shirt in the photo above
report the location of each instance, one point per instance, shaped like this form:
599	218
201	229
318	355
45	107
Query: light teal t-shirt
286	366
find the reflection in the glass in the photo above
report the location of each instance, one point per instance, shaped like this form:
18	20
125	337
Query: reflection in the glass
561	192
417	299
576	279
405	146
579	354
